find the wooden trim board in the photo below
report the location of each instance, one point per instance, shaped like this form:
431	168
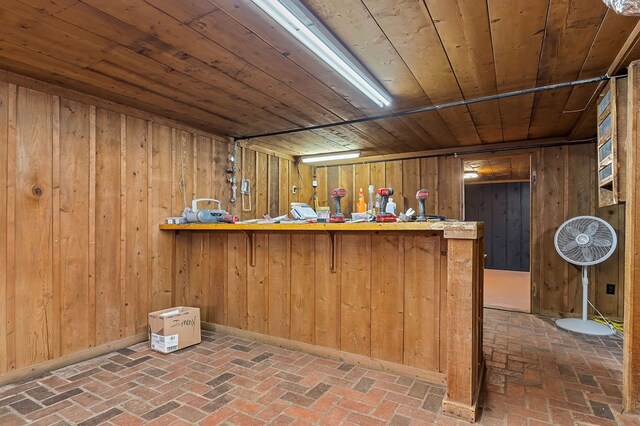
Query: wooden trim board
631	349
46	366
458	230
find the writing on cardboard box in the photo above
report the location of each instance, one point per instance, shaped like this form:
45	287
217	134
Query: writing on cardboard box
176	322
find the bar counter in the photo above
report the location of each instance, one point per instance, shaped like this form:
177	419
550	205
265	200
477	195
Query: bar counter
406	297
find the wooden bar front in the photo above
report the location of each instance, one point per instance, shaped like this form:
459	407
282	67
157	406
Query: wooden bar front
405	297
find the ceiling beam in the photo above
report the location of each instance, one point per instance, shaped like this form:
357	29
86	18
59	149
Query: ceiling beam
463	150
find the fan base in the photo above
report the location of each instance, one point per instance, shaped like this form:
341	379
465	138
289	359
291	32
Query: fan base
585	327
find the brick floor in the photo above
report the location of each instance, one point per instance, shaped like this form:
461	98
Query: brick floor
536	375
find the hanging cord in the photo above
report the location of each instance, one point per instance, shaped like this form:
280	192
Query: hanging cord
232	172
183	182
314	185
301	186
617	330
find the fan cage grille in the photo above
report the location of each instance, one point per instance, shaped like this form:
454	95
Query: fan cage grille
598	245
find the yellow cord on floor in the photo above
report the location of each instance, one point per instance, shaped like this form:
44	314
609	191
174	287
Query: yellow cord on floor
618	325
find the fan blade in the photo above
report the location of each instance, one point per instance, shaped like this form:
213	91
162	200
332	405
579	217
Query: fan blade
591	229
570	246
572	231
601	242
587	254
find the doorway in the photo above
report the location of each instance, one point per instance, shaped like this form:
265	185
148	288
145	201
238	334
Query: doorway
497	192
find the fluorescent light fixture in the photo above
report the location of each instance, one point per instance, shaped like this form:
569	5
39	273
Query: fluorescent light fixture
331	157
470	175
294	17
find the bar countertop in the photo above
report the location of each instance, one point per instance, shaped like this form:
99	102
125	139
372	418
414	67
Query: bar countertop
451	229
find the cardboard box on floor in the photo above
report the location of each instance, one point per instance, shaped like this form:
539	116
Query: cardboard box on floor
174	329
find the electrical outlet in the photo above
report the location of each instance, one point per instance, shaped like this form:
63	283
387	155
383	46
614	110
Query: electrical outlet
294	189
611	289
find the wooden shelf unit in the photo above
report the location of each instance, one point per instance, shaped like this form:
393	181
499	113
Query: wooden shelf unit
612	138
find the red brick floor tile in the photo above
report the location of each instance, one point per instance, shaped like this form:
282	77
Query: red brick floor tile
188	414
12	419
416	413
217	417
272	411
373	397
283	419
537	403
75	413
126	419
163	420
356	406
192	400
301	413
246	407
244	420
385	410
52	419
325	402
335	416
361	419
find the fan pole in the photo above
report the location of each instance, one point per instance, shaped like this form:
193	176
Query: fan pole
585	292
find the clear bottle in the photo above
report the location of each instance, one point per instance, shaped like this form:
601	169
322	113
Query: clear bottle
391	207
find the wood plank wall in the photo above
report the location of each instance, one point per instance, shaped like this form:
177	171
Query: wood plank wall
442	176
85	189
564	186
395	313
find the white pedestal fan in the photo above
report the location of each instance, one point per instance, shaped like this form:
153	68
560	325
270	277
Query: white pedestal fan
585	241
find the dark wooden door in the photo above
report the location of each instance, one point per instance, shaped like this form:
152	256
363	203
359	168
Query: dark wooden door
505	210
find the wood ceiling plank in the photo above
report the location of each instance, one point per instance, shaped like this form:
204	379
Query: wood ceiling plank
416	41
97	22
354	26
220	28
198	95
183	41
613	32
23	26
342	98
186	40
251	17
463	28
585	127
517	30
501	167
376	132
37	65
357	139
55	28
125	77
184	11
570	32
84	16
52	6
357	29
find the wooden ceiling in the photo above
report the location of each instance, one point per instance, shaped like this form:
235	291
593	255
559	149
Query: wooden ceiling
499	168
226	67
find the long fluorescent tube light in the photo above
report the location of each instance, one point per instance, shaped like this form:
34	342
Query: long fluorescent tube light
294	17
331	157
470	175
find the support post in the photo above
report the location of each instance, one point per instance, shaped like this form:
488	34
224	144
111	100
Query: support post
465	361
631	352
